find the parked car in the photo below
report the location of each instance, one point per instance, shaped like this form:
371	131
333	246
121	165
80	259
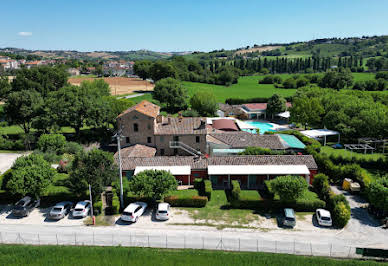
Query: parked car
60	210
163	211
82	209
289	218
323	217
24	206
133	211
337	146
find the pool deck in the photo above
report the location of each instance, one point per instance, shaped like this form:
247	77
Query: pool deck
243	125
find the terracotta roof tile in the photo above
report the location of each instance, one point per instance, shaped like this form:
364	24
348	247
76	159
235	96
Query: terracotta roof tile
244	139
137	150
202	163
144	107
181	126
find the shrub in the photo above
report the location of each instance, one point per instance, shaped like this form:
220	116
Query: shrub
190	113
52	143
7	144
377	193
289	83
235	195
271	79
288	188
195	201
198	182
72	147
341	215
301	82
208	189
97	208
321	186
115	204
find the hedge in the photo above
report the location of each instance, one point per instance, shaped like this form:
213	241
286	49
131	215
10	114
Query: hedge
341	214
298	205
97	208
208	189
235	195
233	101
115	204
195	201
198	182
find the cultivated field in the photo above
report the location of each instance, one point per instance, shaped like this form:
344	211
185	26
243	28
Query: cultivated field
119	85
257	49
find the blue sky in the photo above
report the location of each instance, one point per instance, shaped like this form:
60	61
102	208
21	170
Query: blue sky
173	25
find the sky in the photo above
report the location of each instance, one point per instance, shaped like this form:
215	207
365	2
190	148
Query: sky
183	25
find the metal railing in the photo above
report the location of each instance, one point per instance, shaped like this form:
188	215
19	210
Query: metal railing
179	242
185	147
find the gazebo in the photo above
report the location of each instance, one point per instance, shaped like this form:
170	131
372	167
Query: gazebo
320	134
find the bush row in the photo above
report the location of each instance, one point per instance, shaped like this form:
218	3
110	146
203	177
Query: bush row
236	201
194	201
233	101
380	163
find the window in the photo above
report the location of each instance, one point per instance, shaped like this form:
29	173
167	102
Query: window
127	139
149	126
197	139
161	139
149	140
161	152
176	138
196	175
135	127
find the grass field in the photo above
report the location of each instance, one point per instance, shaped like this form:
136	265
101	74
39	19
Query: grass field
217	209
348	154
71	255
248	87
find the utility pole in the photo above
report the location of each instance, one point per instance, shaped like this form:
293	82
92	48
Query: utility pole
91	204
118	136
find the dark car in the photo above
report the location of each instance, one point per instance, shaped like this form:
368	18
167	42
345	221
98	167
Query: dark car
24	206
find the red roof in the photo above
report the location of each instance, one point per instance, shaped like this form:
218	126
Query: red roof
225	124
261	106
144	107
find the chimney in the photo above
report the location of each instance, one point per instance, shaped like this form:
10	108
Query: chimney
169	120
159	119
203	124
180	116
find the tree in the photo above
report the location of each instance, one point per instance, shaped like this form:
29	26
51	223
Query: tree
142	69
52	143
204	102
43	79
30	175
307	110
22	107
96	168
169	91
161	69
288	188
337	79
276	104
152	184
5	87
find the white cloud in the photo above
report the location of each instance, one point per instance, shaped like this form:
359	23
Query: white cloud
25	33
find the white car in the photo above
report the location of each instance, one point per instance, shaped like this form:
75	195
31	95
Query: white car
133	211
82	209
323	217
163	211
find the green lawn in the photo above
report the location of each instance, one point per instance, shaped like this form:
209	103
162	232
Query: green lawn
348	154
247	87
78	255
184	193
218	209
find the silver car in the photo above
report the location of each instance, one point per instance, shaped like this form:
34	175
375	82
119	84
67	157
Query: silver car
82	209
60	210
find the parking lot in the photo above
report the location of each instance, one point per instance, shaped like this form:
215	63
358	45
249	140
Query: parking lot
36	217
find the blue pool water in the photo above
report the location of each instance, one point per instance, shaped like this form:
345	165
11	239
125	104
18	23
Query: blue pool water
264	127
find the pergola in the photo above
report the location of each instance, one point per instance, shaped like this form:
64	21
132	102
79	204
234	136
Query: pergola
374	142
320	134
357	147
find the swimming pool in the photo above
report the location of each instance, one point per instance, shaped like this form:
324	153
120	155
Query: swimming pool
264	127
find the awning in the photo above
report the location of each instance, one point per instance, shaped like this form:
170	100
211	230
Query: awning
175	170
319	133
258	170
285	114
